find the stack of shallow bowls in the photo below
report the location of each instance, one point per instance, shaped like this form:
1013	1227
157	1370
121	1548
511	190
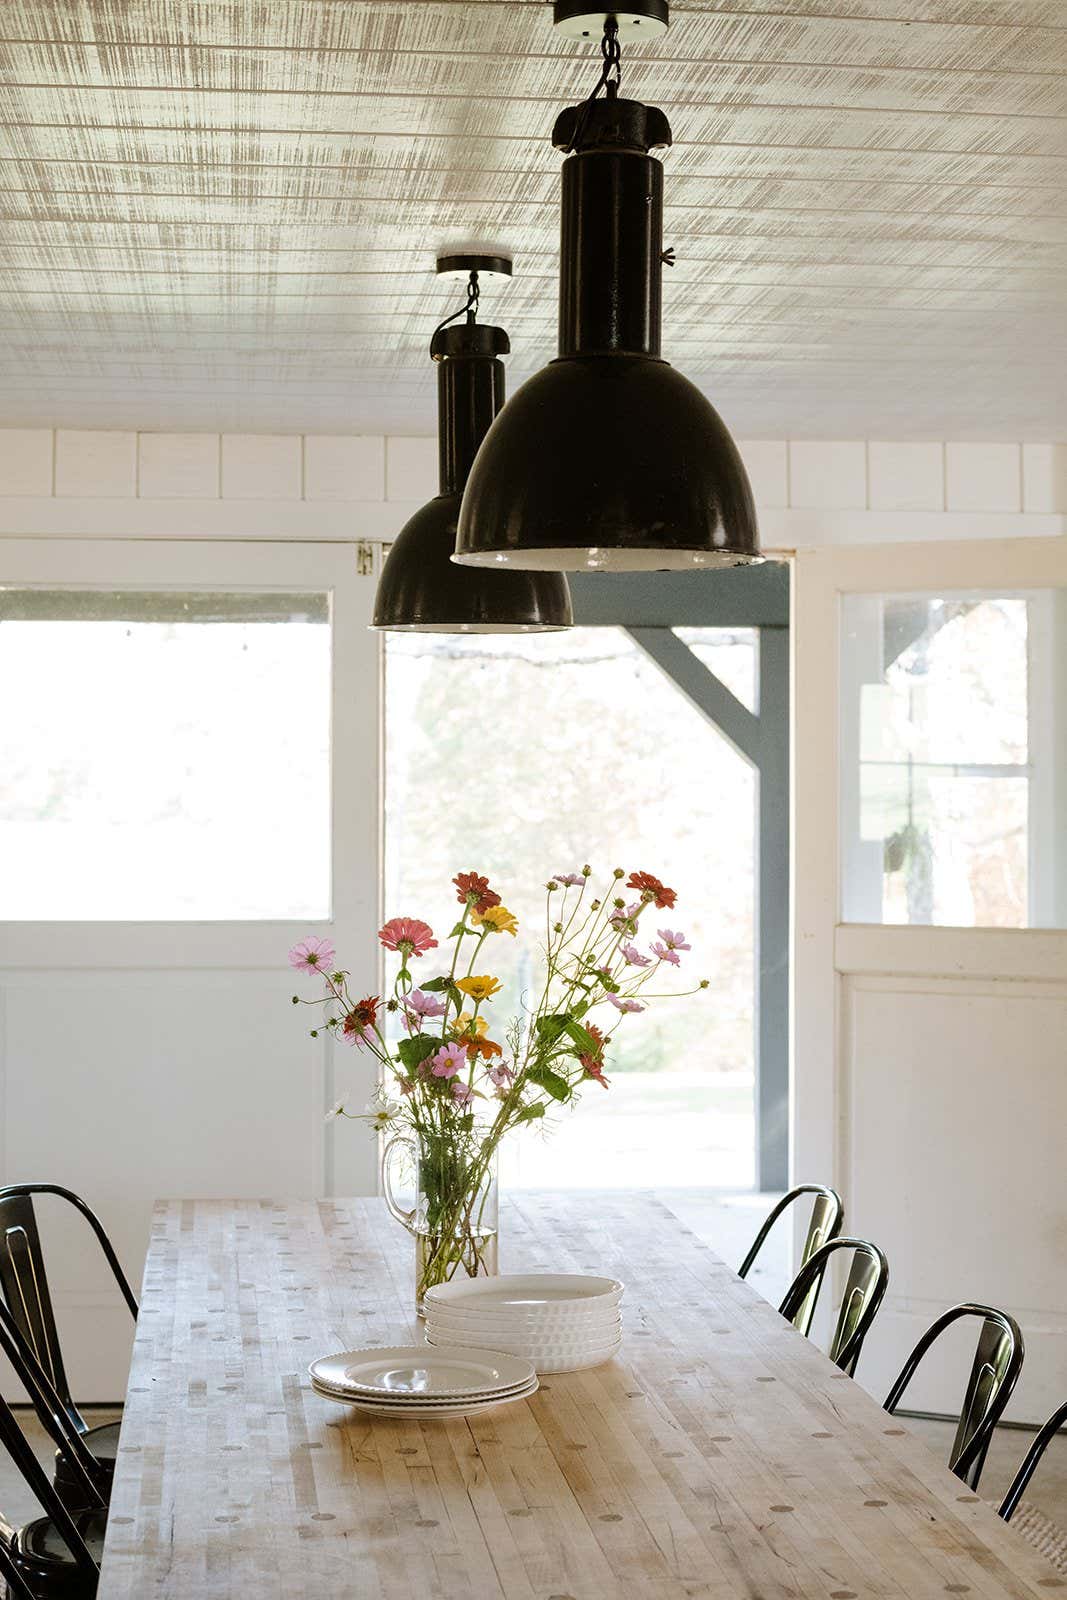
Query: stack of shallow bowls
411	1381
561	1322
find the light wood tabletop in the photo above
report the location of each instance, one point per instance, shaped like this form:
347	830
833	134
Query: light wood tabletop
720	1456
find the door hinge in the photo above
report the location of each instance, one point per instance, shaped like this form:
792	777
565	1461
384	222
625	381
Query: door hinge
364	558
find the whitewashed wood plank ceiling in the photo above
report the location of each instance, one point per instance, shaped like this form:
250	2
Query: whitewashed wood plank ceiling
224	213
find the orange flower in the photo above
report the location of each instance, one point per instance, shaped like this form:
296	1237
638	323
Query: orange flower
652	889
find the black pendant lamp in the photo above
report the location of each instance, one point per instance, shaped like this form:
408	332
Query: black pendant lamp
608	458
421	590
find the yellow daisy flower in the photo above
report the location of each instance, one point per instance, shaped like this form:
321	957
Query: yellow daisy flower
479	989
467	1022
498	918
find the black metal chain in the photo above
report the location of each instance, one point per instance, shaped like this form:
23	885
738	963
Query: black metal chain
610	79
468	310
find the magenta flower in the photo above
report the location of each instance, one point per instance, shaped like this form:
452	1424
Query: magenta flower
418	1006
449	1060
674	941
408	936
355	1034
662	952
634	956
622	1004
462	1093
501	1075
569	880
313	955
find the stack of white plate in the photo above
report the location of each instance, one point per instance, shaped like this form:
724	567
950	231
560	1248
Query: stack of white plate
560	1321
417	1381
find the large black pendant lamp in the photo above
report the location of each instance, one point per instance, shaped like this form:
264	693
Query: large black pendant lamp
608	458
421	590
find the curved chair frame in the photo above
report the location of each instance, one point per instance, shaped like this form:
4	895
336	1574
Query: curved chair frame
24	1282
19	1449
868	1279
84	1471
826	1221
998	1360
1042	1439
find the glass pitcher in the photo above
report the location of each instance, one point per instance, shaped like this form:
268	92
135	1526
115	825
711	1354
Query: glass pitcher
454	1221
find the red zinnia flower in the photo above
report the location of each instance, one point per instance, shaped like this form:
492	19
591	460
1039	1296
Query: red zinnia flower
592	1061
407	935
653	889
473	890
365	1011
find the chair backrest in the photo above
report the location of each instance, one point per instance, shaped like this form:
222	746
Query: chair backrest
1042	1439
16	1444
24	1282
868	1279
998	1360
825	1223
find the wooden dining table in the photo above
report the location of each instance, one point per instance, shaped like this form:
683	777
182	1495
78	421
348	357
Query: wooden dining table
720	1455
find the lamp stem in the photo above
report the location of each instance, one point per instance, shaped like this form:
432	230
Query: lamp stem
470	392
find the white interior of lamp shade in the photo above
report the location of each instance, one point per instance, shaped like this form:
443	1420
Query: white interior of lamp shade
599	558
470	627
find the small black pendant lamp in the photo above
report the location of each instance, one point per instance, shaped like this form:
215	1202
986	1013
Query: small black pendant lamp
421	590
608	458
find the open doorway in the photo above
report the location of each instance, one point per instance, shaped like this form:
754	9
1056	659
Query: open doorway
624	743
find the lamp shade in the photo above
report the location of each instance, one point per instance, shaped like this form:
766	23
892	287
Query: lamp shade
420	589
608	458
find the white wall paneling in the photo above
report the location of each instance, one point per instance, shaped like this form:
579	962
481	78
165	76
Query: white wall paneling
365	486
927	1070
145	1059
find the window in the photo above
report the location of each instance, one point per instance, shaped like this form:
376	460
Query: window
525	755
949	752
166	755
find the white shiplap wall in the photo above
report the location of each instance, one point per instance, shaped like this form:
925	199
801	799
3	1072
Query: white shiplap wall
122	484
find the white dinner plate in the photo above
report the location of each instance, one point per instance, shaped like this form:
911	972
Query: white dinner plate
528	1294
445	1373
415	1411
567	1360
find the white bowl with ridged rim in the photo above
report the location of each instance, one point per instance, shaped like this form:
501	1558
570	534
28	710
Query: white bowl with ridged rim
563	1359
495	1337
528	1297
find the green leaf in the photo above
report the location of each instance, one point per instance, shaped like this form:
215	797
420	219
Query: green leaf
458	929
582	1038
531	1113
550	1082
434	986
554	1027
417	1048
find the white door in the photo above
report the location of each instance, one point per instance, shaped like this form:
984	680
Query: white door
930	961
189	786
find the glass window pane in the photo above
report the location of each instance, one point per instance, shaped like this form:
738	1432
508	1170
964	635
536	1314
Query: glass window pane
169	757
937	696
522	756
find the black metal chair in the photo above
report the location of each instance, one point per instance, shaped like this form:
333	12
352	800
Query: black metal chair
57	1556
81	1481
24	1290
825	1223
868	1279
1042	1439
998	1360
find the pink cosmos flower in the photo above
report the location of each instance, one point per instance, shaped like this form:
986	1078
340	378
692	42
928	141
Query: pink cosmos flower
313	955
622	1004
569	880
449	1060
501	1075
462	1092
408	936
662	952
624	914
351	1033
634	956
674	941
418	1005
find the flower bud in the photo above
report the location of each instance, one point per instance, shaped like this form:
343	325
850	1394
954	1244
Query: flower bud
586	870
705	983
620	872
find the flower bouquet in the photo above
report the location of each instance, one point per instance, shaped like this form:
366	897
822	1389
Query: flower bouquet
449	1090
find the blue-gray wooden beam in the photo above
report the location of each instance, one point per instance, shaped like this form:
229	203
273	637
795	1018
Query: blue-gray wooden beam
763	741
